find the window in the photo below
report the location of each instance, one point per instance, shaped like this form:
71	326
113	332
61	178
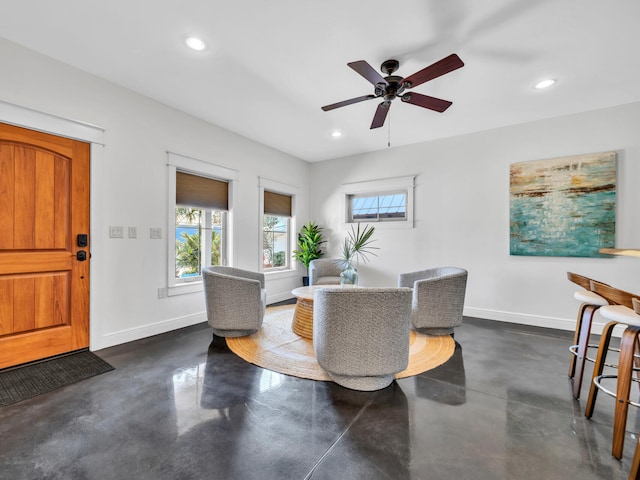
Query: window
278	225
275	242
199	235
390	206
200	217
276	222
200	200
388	200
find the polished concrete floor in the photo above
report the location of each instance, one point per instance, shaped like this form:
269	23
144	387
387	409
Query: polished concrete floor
181	406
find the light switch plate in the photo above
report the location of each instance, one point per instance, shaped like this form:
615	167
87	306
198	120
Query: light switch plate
116	231
133	232
155	232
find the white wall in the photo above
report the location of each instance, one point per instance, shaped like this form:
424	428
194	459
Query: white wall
462	213
461	202
130	189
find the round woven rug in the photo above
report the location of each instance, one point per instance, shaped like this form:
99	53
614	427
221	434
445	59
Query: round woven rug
275	347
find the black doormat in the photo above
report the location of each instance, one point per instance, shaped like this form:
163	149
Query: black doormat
20	383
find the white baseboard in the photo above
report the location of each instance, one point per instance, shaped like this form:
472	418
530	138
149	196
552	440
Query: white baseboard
279	297
149	330
132	334
534	320
144	331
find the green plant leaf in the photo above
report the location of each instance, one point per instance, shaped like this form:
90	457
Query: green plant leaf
357	244
309	241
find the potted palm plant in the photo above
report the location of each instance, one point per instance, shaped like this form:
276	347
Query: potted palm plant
309	242
356	247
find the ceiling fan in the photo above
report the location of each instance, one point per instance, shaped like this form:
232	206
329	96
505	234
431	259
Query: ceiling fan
392	86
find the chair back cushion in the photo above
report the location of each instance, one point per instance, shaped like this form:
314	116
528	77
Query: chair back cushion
325	271
438	298
235	300
362	331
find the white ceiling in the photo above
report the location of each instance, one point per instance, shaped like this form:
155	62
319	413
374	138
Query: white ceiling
271	65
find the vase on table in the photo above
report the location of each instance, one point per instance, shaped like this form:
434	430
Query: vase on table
349	277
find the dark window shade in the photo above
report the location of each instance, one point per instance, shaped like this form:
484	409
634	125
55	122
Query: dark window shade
277	204
201	192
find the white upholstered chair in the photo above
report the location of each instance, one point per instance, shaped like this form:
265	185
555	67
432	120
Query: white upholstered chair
325	271
361	335
438	298
235	299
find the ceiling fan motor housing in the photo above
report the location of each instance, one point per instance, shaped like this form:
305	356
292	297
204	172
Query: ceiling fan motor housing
394	87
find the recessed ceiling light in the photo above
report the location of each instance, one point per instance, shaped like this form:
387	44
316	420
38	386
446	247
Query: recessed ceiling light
336	134
195	43
544	83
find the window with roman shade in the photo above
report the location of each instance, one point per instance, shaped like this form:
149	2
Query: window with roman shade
200	208
276	226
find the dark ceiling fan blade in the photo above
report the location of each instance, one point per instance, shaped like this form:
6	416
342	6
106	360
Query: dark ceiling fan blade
368	72
344	103
425	101
381	115
446	65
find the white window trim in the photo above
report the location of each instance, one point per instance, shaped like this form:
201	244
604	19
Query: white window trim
285	189
380	187
194	166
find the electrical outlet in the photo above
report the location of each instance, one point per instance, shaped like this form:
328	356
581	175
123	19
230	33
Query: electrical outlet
116	232
155	233
133	232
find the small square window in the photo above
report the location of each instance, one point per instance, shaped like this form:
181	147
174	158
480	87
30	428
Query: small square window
386	201
378	208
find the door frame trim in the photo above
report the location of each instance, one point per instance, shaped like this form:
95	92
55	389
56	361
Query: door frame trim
64	127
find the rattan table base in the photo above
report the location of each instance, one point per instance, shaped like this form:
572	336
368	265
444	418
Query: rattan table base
303	318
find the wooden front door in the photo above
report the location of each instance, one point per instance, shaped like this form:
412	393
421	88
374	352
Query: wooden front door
44	213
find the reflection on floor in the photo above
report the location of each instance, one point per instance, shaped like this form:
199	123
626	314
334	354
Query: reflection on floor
182	406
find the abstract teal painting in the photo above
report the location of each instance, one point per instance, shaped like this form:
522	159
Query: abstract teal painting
563	207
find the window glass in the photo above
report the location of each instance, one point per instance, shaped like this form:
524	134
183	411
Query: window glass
378	207
198	239
188	240
275	242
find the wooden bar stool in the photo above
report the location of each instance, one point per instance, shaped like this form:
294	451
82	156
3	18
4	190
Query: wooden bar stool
634	474
590	303
620	312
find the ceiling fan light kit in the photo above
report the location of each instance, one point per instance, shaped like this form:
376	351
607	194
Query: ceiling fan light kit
393	86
